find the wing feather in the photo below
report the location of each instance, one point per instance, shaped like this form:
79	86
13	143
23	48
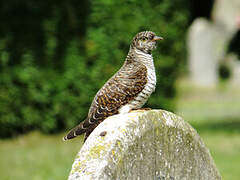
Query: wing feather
123	87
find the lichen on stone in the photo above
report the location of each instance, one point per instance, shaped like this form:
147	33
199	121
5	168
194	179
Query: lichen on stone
147	145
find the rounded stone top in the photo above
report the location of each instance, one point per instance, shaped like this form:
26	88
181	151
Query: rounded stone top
144	145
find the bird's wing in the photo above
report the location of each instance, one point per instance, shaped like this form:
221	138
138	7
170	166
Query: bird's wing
118	91
126	84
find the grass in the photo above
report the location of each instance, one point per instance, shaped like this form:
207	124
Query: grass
196	104
213	113
224	145
35	156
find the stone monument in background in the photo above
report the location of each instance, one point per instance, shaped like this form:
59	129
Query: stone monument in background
208	40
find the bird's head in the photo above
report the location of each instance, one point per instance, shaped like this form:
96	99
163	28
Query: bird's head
145	41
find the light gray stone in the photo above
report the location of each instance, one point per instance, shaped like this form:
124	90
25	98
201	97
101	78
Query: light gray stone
226	13
208	41
205	49
144	145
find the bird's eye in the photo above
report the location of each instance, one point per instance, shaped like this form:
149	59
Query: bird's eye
144	39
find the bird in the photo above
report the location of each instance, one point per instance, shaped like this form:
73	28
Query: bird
128	89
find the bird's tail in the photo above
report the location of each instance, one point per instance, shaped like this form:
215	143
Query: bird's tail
76	131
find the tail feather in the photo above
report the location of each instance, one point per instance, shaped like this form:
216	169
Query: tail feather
76	131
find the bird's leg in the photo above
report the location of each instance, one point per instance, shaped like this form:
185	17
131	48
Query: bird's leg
140	109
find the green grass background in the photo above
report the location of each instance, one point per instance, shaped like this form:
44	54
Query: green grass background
36	156
215	114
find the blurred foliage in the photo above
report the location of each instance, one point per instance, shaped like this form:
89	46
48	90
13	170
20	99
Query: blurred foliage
224	71
55	55
234	45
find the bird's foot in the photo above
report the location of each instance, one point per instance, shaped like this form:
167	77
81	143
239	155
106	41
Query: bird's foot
140	109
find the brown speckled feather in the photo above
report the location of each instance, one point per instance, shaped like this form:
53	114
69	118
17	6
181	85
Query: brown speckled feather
118	91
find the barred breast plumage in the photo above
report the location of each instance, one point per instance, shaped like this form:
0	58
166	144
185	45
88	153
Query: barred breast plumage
128	89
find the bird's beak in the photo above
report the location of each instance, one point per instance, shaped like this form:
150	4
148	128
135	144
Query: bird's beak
157	38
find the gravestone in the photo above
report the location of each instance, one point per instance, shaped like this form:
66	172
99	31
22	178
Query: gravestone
144	145
226	13
208	41
205	49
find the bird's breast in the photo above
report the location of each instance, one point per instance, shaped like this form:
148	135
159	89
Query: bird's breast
149	87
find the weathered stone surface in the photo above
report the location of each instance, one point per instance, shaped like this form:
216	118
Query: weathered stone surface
147	145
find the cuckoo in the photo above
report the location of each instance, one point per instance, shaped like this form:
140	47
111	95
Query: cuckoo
127	89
